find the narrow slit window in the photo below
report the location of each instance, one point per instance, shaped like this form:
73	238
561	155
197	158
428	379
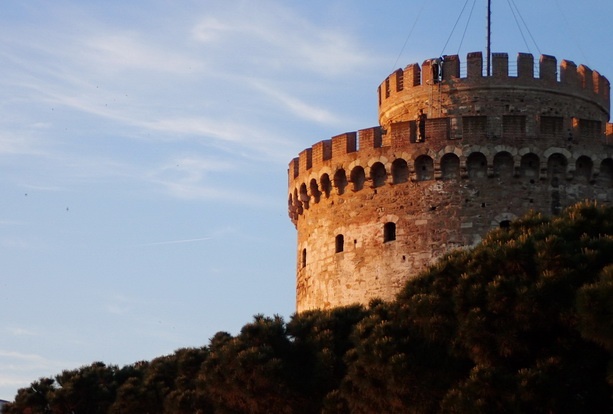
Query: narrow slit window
339	243
389	232
304	257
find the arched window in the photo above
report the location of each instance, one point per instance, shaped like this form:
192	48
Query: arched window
304	197
424	168
583	168
297	202
304	257
326	185
389	232
530	166
340	181
339	243
505	224
503	165
476	164
556	166
315	190
400	171
358	177
378	175
450	167
605	177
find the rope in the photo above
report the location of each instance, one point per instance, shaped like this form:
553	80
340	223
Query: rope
409	35
466	27
453	29
512	5
570	29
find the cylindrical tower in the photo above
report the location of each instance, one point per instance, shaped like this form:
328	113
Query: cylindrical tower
454	157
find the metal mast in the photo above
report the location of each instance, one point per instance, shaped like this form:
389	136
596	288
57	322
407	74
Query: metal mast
489	37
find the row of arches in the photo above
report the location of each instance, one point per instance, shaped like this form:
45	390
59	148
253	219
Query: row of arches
504	165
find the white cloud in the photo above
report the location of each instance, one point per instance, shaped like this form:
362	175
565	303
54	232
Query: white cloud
279	33
19	369
14	362
116	51
17	331
187	177
20	142
210	29
14	243
120	304
300	108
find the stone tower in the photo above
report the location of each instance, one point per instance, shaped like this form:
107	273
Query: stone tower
375	207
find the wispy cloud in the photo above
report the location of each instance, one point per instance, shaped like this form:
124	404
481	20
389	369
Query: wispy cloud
214	235
18	331
176	241
120	304
285	35
181	88
127	50
298	107
19	369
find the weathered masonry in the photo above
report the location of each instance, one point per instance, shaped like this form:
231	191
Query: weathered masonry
375	207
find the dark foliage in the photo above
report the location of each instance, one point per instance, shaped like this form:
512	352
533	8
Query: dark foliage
522	323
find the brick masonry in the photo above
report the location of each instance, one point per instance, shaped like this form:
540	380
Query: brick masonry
374	208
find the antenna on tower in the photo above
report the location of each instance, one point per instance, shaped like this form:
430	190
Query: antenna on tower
489	37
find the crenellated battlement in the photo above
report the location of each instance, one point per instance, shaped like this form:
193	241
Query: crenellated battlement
405	91
345	148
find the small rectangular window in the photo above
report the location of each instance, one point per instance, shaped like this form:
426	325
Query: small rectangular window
339	243
389	232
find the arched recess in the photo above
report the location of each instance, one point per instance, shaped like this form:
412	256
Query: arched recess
400	171
584	167
340	181
530	166
503	220
378	175
424	168
450	167
358	177
326	184
605	176
556	166
503	165
297	202
314	190
476	165
304	196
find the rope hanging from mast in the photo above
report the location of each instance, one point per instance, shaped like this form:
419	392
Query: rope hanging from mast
489	38
454	26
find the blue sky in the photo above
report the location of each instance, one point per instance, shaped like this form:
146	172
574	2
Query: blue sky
144	148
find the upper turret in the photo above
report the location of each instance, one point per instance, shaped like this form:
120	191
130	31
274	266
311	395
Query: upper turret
438	88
